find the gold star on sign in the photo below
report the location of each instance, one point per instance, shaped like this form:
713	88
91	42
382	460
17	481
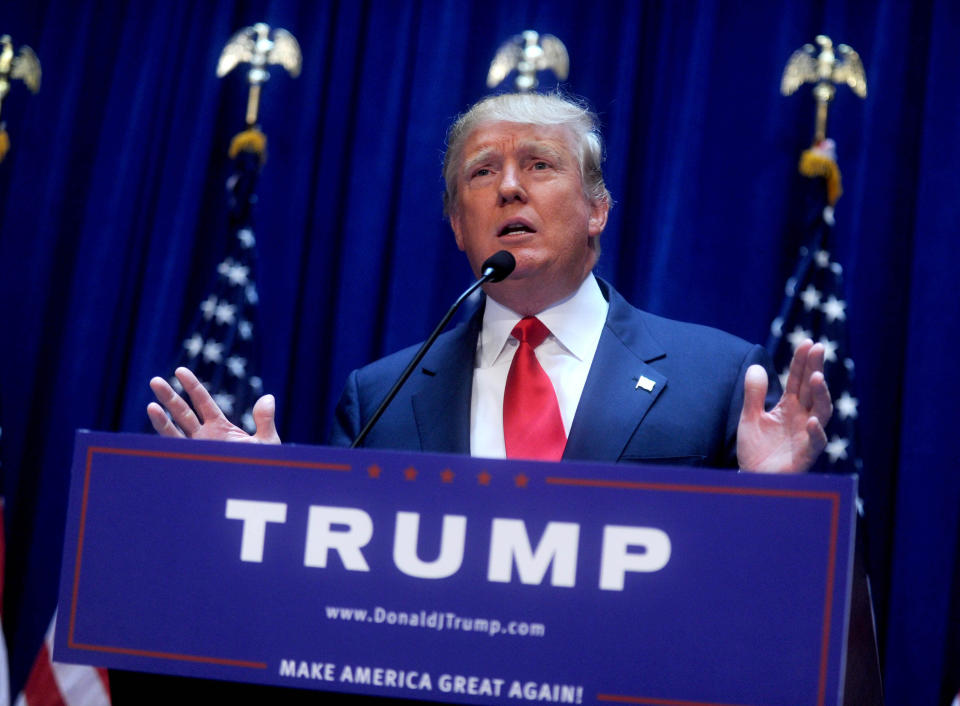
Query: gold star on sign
446	475
483	478
521	480
373	471
410	473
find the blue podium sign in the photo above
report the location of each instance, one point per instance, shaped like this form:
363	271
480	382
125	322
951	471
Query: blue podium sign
455	579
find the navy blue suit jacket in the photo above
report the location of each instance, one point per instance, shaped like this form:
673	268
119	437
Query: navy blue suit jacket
689	417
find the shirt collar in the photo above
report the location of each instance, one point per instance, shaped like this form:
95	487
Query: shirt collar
576	322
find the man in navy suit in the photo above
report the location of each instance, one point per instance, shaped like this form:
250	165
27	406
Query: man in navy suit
523	174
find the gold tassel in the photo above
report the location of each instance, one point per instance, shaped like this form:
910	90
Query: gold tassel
250	140
4	143
815	164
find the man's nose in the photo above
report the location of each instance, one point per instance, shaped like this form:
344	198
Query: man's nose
511	186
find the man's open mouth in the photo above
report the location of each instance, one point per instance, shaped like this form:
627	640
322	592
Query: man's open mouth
517	227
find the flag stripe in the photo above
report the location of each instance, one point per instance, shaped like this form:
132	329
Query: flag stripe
4	662
82	685
41	688
4	671
58	684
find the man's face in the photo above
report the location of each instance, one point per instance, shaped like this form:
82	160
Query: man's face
519	189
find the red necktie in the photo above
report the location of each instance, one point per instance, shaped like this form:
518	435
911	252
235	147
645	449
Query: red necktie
532	426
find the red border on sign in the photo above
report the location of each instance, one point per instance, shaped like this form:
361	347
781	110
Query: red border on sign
832	497
650	701
73	644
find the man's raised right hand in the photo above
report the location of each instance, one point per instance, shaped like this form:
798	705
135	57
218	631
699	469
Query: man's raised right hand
173	416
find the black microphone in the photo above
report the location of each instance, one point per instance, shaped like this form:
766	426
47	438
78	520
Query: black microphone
494	269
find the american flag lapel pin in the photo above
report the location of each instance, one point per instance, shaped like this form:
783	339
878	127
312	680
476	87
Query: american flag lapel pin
645	383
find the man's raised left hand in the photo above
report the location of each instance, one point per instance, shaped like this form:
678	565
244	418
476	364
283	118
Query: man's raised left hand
789	437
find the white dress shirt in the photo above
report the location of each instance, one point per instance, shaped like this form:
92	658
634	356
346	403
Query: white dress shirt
575	325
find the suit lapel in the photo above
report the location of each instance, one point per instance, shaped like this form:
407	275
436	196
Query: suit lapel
441	405
620	388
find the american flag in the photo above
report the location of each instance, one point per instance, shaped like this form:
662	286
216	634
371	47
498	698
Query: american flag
219	347
814	307
58	684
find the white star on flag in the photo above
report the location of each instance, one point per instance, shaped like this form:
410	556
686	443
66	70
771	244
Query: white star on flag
224	402
829	349
245	236
225	313
248	424
776	327
256	384
834	309
194	345
822	258
791	287
237	366
251	292
212	351
836	449
208	306
798	336
245	329
847	406
235	273
810	297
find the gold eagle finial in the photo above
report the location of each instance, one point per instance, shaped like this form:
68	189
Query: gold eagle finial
23	65
528	53
259	47
824	69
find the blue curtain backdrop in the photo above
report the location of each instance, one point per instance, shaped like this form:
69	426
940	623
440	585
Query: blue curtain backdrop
113	215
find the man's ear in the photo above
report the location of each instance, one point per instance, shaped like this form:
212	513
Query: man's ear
599	210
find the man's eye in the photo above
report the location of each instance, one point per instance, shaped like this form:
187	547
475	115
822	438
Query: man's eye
540	164
483	171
